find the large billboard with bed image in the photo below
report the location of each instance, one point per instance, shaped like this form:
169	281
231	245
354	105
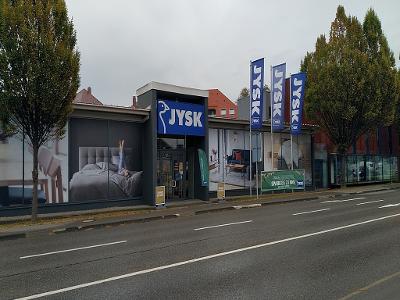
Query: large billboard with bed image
105	160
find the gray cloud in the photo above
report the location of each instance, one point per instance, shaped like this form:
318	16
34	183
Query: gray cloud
205	44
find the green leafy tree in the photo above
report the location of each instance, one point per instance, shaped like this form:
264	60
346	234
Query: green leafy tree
39	71
6	130
351	81
244	93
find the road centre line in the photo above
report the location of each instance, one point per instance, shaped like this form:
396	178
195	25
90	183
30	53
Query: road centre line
222	225
346	200
203	258
73	249
310	212
368	287
368	202
390	205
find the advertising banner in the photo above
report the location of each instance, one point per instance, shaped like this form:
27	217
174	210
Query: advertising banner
297	86
278	96
203	167
160	195
221	191
256	93
282	180
180	118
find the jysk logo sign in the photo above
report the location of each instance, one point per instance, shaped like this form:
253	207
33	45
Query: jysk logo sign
256	92
180	118
278	96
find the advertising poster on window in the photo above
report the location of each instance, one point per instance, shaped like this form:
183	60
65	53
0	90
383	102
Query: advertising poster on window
105	160
229	159
16	165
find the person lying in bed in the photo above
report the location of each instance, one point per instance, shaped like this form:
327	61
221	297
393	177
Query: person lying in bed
121	165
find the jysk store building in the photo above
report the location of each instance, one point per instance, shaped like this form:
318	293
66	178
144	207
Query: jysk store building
176	141
117	156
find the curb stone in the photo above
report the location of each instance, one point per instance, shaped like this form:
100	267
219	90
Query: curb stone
114	223
343	194
234	207
212	210
289	201
12	236
247	206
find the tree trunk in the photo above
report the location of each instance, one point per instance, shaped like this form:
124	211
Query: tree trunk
35	184
343	169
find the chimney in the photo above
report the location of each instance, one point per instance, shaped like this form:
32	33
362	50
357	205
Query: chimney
89	89
133	102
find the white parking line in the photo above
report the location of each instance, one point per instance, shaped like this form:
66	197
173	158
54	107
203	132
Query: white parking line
346	200
390	205
310	212
222	225
73	249
203	258
375	201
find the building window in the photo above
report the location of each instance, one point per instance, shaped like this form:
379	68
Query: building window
223	112
211	112
232	111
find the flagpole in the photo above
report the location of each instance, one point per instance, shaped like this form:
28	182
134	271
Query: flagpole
290	123
250	169
257	164
272	138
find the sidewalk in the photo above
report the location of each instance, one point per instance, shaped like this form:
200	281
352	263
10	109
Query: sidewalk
19	227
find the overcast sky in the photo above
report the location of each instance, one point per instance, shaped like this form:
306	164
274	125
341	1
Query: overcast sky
205	44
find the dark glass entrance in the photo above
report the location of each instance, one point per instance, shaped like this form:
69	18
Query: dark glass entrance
172	168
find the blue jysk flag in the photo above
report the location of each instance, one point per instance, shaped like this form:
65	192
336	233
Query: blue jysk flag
256	93
278	96
297	82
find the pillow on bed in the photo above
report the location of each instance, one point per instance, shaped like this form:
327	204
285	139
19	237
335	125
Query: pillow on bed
91	167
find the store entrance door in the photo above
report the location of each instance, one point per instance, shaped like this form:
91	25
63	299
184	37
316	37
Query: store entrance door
172	173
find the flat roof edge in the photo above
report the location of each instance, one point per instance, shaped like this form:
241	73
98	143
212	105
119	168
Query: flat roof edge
112	109
165	87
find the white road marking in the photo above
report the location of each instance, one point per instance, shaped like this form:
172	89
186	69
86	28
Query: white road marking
73	249
310	212
375	201
346	200
247	206
390	205
203	258
222	225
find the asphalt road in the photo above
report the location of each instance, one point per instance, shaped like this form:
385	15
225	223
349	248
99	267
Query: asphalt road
346	248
